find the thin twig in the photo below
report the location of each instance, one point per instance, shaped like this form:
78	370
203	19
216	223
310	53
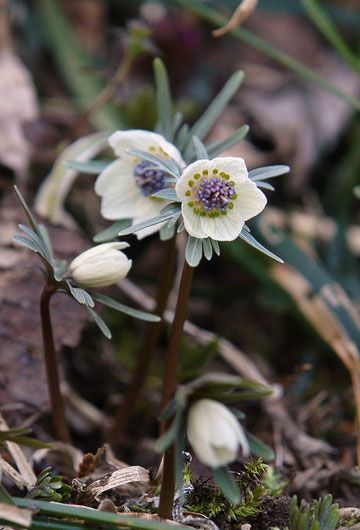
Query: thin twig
243	11
104	96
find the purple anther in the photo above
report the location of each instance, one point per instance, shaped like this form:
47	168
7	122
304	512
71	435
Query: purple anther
149	180
215	194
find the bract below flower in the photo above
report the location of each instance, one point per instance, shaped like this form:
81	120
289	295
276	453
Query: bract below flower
215	433
101	266
127	184
218	197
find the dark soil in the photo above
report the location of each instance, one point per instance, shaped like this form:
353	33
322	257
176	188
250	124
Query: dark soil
275	512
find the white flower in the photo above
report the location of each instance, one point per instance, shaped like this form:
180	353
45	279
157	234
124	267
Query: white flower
101	265
218	197
126	185
215	433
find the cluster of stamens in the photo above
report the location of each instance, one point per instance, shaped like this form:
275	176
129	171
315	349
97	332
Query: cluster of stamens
149	180
213	195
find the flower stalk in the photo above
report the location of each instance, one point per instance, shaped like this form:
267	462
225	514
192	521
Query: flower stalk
148	347
170	377
57	407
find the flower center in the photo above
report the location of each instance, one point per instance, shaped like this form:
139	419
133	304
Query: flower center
149	180
215	194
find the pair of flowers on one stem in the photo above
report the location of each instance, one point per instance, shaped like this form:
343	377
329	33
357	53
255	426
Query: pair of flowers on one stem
216	196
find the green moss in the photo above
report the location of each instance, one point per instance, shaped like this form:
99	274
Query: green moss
210	501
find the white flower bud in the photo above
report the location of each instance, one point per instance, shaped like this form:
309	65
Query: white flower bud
101	265
215	433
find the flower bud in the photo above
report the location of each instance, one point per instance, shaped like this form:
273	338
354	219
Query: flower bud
215	433
101	265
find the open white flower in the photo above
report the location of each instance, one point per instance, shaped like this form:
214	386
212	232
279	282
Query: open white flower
215	433
101	265
126	185
218	197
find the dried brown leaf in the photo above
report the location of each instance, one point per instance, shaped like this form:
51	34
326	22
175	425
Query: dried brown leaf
19	516
18	104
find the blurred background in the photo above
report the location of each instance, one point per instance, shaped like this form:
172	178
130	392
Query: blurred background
298	324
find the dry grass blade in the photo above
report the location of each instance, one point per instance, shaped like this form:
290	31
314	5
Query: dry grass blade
317	310
242	12
119	478
13	514
22	464
12	473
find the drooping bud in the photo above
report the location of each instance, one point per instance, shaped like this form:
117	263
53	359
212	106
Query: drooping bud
215	433
101	266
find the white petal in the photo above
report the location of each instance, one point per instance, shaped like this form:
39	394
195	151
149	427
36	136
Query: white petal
121	141
99	250
192	222
146	207
250	201
114	174
104	274
149	230
223	228
234	166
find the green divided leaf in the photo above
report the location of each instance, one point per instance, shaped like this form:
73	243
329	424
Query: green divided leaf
142	315
165	124
145	224
227	484
111	232
200	149
29	215
94	167
168	194
98	320
28	243
259	448
203	125
216	247
166	165
167	231
268	172
37	240
207	248
250	240
80	295
265	185
216	148
193	252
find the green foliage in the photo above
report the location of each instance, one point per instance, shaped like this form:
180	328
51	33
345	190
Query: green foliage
188	474
250	503
350	520
195	358
273	482
50	487
76	66
17	436
88	515
321	515
210	501
253	470
37	239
